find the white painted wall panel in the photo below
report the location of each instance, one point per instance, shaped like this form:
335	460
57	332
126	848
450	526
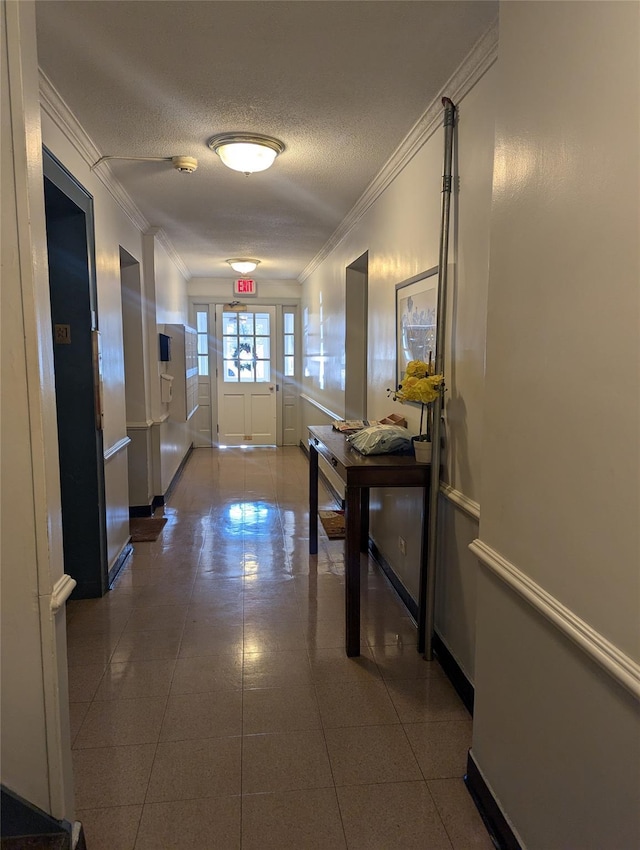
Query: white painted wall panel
35	738
560	496
561	489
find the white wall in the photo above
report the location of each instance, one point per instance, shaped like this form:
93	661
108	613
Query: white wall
221	289
401	232
558	739
171	438
36	749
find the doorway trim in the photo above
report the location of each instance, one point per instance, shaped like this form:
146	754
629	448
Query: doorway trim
95	583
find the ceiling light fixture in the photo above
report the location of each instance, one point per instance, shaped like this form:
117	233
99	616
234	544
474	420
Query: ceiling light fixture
246	152
243	265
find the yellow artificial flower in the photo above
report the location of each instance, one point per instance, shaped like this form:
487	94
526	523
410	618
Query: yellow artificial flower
417	369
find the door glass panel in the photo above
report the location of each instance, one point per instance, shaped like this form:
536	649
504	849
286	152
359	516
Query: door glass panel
263	371
262	324
263	347
230	371
289	345
247	376
246	323
230	323
202	327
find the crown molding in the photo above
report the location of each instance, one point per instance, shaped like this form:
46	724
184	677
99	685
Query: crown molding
57	109
478	61
177	260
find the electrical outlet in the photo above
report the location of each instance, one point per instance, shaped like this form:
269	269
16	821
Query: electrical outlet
402	545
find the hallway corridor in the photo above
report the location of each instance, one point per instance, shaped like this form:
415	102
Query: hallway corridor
213	706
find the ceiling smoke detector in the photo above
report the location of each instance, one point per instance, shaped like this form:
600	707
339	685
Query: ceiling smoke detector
185	164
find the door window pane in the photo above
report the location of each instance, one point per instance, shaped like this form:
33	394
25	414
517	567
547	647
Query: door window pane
262	324
230	371
289	345
229	323
263	371
263	347
246	323
202	328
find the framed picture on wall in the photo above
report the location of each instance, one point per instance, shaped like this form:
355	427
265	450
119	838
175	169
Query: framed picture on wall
416	317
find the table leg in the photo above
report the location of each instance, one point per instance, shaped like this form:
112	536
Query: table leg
313	500
352	570
364	519
422	591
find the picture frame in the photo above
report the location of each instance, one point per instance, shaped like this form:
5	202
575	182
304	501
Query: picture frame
416	320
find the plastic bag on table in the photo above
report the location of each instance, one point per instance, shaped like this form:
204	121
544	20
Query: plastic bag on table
381	440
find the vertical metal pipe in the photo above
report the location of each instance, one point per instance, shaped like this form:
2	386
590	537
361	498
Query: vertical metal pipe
428	581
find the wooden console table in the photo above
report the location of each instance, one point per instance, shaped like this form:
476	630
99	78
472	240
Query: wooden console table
358	473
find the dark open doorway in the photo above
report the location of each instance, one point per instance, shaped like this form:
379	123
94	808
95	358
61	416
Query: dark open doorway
356	333
69	219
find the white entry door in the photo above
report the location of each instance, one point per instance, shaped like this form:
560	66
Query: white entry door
246	376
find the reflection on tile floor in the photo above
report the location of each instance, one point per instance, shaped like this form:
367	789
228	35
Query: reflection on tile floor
213	706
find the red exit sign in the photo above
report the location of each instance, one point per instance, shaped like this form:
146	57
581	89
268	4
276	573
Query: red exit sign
245	286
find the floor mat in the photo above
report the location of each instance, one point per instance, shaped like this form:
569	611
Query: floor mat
333	524
146	529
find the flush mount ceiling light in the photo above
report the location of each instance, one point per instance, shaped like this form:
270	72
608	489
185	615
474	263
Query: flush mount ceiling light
243	265
246	152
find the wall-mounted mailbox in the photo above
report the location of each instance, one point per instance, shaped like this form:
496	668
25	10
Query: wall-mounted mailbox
165	346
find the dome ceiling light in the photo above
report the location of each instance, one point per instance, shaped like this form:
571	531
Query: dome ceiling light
243	265
246	152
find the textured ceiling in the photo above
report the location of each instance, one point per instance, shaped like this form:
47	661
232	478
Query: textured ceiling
340	83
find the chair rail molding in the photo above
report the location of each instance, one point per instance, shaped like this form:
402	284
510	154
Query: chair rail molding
616	663
116	448
62	590
319	406
456	497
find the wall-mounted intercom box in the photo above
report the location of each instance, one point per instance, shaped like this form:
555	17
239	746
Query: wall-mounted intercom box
165	346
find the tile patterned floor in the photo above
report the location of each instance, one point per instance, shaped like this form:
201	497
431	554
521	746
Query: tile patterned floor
213	706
